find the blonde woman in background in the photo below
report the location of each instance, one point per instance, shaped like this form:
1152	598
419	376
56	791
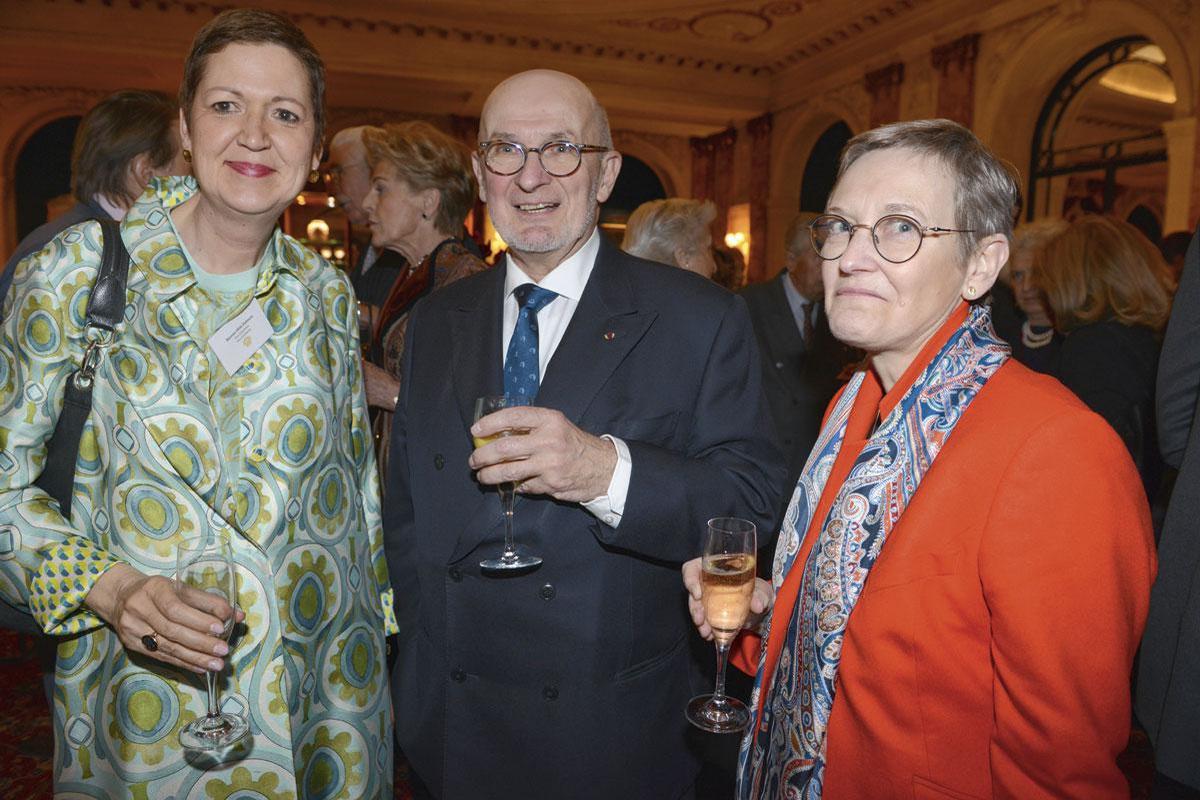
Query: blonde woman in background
422	189
1109	293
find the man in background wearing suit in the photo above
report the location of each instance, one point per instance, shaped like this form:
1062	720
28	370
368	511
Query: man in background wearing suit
801	360
568	679
350	179
1167	701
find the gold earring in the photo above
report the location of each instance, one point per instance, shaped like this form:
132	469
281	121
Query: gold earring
970	292
187	155
314	176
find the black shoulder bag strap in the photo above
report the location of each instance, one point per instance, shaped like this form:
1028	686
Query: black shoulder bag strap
105	310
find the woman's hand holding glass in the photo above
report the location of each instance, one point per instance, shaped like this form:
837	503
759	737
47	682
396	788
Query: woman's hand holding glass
188	625
727	586
761	600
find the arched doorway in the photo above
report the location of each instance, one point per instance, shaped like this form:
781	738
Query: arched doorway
43	171
637	183
1099	135
820	171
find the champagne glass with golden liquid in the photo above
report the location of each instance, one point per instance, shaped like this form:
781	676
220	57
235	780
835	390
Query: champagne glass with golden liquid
208	565
513	557
726	584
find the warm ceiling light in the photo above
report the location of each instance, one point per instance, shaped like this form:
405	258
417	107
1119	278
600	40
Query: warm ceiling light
1145	76
318	231
1150	52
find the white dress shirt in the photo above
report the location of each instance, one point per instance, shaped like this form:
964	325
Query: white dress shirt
567	280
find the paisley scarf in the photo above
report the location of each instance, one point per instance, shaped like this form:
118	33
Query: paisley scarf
784	755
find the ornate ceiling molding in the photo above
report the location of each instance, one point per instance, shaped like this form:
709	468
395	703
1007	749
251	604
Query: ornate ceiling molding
734	25
457	34
866	23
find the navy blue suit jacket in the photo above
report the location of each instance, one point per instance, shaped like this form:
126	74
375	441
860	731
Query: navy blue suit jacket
571	680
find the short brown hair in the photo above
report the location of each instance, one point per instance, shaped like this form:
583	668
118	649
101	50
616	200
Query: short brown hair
1103	268
425	158
254	26
986	193
116	130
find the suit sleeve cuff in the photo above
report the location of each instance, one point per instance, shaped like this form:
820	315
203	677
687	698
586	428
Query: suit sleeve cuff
610	507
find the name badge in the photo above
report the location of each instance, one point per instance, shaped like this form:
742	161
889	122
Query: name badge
237	340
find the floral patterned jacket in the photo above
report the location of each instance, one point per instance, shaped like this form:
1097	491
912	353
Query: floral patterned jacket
301	508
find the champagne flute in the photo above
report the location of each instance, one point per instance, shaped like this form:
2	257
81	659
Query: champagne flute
726	584
513	557
208	565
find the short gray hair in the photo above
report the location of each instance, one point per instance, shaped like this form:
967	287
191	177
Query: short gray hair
986	195
655	229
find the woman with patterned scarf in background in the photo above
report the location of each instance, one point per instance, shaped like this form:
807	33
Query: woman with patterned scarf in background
963	572
191	439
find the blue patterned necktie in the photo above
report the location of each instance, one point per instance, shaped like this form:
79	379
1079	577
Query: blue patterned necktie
521	363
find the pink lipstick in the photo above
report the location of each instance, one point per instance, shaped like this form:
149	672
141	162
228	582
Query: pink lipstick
249	169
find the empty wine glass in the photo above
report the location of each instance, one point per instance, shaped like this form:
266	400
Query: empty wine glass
513	557
726	584
207	565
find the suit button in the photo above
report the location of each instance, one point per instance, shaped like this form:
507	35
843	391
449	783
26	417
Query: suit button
778	365
550	692
455	574
438	461
547	592
457	675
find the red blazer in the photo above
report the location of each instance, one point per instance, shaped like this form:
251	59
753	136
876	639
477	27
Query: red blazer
990	651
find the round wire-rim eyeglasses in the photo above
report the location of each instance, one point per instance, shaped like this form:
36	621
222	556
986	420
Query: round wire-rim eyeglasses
895	233
564	157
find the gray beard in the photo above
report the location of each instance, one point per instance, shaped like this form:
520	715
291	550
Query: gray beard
567	237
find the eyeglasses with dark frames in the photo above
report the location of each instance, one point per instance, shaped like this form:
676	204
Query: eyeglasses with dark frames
558	158
897	237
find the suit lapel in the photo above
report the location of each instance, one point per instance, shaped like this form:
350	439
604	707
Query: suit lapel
475	345
787	346
475	364
606	326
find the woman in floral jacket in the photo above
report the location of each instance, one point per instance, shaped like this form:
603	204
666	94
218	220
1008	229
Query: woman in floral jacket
270	447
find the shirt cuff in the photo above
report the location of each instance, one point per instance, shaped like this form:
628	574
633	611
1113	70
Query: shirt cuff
610	507
67	574
389	613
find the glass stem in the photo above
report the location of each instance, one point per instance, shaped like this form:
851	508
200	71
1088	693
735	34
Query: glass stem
718	697
211	678
507	499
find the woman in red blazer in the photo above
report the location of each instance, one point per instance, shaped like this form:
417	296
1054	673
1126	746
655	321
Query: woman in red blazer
963	572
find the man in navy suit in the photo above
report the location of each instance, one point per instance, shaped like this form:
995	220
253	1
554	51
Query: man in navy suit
568	679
